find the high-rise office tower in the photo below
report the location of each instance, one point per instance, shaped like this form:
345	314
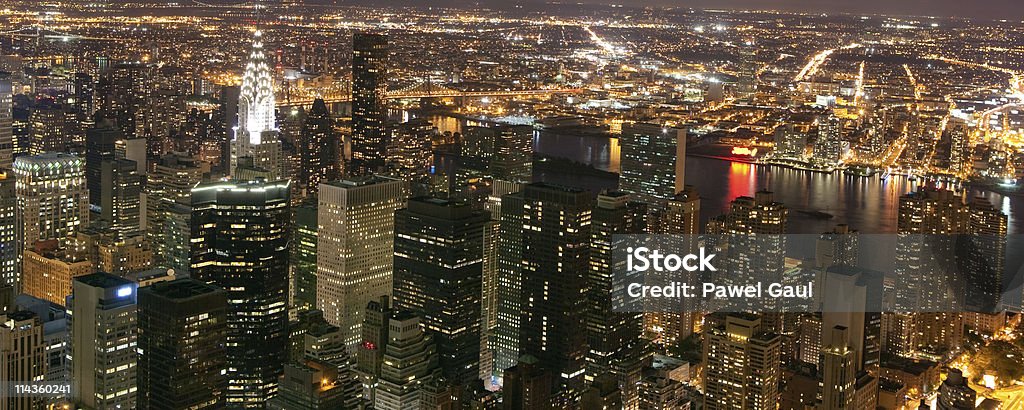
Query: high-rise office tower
303	254
256	134
409	363
370	355
610	334
53	129
182	336
104	335
848	296
984	251
751	236
839	369
355	248
169	186
6	121
837	248
960	145
121	188
369	96
100	143
489	284
319	149
123	92
828	148
741	365
437	276
240	234
653	162
555	234
83	91
22	358
8	230
513	154
326	344
410	150
663	323
506	279
53	201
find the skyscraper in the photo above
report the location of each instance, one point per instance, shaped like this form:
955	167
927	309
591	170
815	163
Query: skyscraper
22	357
8	230
741	365
664	323
839	369
6	121
409	363
100	145
555	234
256	134
370	355
355	248
169	186
240	234
828	148
303	254
104	335
182	337
53	129
121	188
437	276
653	162
319	149
610	334
369	94
513	154
53	202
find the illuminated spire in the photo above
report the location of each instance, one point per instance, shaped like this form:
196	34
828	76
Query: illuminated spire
256	100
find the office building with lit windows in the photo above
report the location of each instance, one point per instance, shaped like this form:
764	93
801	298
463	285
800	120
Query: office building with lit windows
437	276
240	235
104	334
741	364
653	162
182	336
369	93
53	201
545	296
355	248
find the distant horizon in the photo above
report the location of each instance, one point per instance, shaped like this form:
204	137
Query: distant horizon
995	10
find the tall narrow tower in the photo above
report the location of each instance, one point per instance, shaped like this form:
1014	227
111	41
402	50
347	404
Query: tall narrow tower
369	91
256	134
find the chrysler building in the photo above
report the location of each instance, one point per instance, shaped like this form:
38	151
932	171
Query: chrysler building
256	135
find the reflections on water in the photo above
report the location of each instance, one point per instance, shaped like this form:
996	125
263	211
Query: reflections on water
866	204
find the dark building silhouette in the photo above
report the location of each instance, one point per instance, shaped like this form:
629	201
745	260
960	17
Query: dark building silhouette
319	149
437	276
182	336
240	234
369	92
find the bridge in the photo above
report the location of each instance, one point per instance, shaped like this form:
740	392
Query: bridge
429	90
39	32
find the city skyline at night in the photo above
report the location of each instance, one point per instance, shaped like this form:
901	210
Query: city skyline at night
303	204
